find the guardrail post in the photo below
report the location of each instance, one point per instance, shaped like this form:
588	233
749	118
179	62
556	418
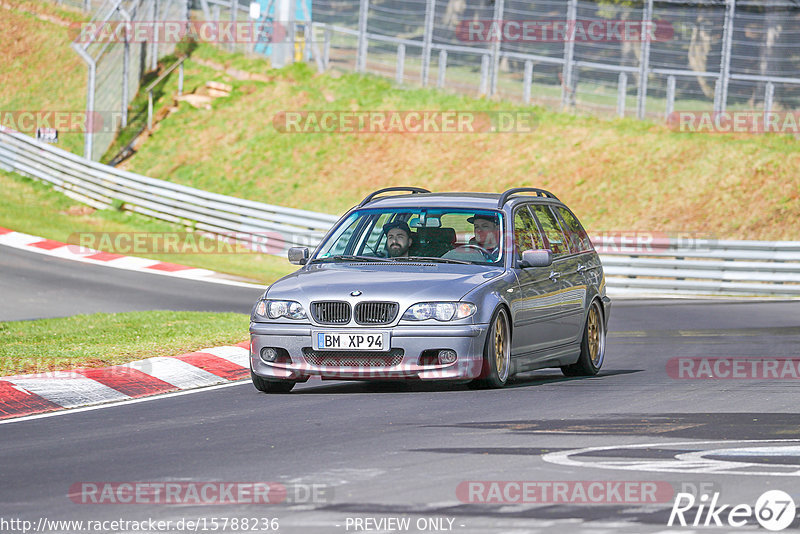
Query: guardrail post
622	93
427	39
150	109
180	79
401	62
644	60
769	93
527	80
670	97
499	6
361	54
442	68
482	88
721	89
567	89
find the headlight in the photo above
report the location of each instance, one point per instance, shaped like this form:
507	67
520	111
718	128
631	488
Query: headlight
441	311
275	309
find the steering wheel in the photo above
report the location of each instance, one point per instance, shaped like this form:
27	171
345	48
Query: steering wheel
486	253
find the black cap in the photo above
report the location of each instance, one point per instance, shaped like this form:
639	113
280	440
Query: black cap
397	224
485	216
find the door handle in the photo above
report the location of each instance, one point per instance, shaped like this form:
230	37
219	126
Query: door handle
554	275
580	268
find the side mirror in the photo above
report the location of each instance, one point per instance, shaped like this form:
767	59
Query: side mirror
536	258
298	255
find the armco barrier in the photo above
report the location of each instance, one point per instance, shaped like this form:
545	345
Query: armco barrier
703	267
101	185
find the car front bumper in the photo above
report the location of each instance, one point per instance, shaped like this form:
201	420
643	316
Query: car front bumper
466	340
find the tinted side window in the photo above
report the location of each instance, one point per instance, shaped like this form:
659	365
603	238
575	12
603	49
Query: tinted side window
554	237
580	241
526	233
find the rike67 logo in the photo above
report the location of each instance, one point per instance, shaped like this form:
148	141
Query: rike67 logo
774	510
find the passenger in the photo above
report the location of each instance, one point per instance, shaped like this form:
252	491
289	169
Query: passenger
487	233
398	239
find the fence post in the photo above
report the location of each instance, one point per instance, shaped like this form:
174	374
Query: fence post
721	90
527	80
499	6
87	137
567	89
769	94
427	38
233	16
326	47
644	60
126	60
154	42
484	75
622	93
401	62
361	55
442	68
670	97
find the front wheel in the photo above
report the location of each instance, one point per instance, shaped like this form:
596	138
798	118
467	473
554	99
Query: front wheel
496	353
271	386
593	345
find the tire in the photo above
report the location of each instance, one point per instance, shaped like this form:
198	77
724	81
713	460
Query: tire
271	386
496	354
593	345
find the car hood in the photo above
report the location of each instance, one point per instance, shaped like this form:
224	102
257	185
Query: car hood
418	282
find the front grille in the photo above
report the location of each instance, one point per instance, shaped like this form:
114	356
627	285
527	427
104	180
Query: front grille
375	312
331	312
344	358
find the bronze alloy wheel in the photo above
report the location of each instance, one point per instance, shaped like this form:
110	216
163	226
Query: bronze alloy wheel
502	346
593	334
593	345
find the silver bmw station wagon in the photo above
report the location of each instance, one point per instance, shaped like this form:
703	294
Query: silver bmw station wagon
436	286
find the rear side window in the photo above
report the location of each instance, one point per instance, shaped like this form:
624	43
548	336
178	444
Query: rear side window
555	239
526	233
579	240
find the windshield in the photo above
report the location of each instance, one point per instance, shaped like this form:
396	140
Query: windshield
447	235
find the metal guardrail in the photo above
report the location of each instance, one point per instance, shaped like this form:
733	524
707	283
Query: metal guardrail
254	224
662	266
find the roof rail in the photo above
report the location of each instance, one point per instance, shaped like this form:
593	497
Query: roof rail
388	189
539	193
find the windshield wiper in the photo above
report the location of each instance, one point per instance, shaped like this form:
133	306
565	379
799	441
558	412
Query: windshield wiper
350	257
433	258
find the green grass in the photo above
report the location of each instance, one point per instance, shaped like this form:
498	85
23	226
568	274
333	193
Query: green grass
617	174
35	208
104	339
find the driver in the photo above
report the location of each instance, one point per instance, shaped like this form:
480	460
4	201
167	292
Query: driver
398	239
487	232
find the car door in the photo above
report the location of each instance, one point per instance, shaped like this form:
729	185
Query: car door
564	271
578	268
536	307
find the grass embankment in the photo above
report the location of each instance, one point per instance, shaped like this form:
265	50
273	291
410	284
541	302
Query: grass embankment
618	174
104	339
39	71
35	208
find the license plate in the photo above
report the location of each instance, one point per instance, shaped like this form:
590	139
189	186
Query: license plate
373	341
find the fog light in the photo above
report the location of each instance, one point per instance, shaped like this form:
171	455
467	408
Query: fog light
447	356
268	354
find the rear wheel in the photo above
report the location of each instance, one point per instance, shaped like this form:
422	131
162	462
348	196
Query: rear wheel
271	386
593	345
496	353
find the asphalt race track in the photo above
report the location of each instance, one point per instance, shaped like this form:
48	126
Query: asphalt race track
36	286
384	453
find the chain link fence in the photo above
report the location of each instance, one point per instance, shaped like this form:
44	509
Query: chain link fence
644	59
